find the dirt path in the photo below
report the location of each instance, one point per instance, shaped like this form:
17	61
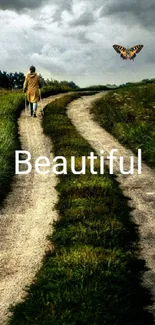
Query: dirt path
139	188
26	218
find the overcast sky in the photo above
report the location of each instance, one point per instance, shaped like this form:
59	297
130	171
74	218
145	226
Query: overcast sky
72	40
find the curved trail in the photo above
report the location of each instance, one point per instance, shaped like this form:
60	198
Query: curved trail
139	188
25	220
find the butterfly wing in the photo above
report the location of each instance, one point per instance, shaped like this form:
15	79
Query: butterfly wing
137	48
134	50
124	55
121	50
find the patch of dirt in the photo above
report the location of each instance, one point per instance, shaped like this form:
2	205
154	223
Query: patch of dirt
27	217
139	188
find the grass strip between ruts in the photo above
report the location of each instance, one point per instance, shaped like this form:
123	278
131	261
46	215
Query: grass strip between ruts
93	274
129	115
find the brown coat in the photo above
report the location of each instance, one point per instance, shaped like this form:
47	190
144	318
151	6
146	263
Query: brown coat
31	86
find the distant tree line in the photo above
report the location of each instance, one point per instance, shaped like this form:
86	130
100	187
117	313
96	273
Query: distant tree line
11	80
139	83
96	88
16	80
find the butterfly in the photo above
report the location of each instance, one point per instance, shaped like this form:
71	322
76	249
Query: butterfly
128	54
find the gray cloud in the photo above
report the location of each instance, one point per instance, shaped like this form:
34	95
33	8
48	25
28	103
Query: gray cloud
127	12
150	58
19	5
62	6
86	19
79	36
39	27
139	12
83	38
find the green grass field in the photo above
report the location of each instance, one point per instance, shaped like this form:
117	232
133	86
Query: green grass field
93	275
10	108
129	115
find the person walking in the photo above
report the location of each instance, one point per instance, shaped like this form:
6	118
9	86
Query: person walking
31	86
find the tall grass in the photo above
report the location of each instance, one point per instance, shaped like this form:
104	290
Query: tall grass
10	108
92	274
129	115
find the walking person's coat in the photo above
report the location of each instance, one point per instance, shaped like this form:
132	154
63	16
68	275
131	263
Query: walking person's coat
31	87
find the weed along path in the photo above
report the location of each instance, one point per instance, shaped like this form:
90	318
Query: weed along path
26	218
140	188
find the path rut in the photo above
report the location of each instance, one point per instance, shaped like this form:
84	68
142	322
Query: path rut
27	217
139	188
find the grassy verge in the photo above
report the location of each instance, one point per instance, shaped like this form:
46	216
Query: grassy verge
93	274
10	108
49	91
129	115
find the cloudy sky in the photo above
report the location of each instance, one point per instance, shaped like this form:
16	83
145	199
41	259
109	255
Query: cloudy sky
72	39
